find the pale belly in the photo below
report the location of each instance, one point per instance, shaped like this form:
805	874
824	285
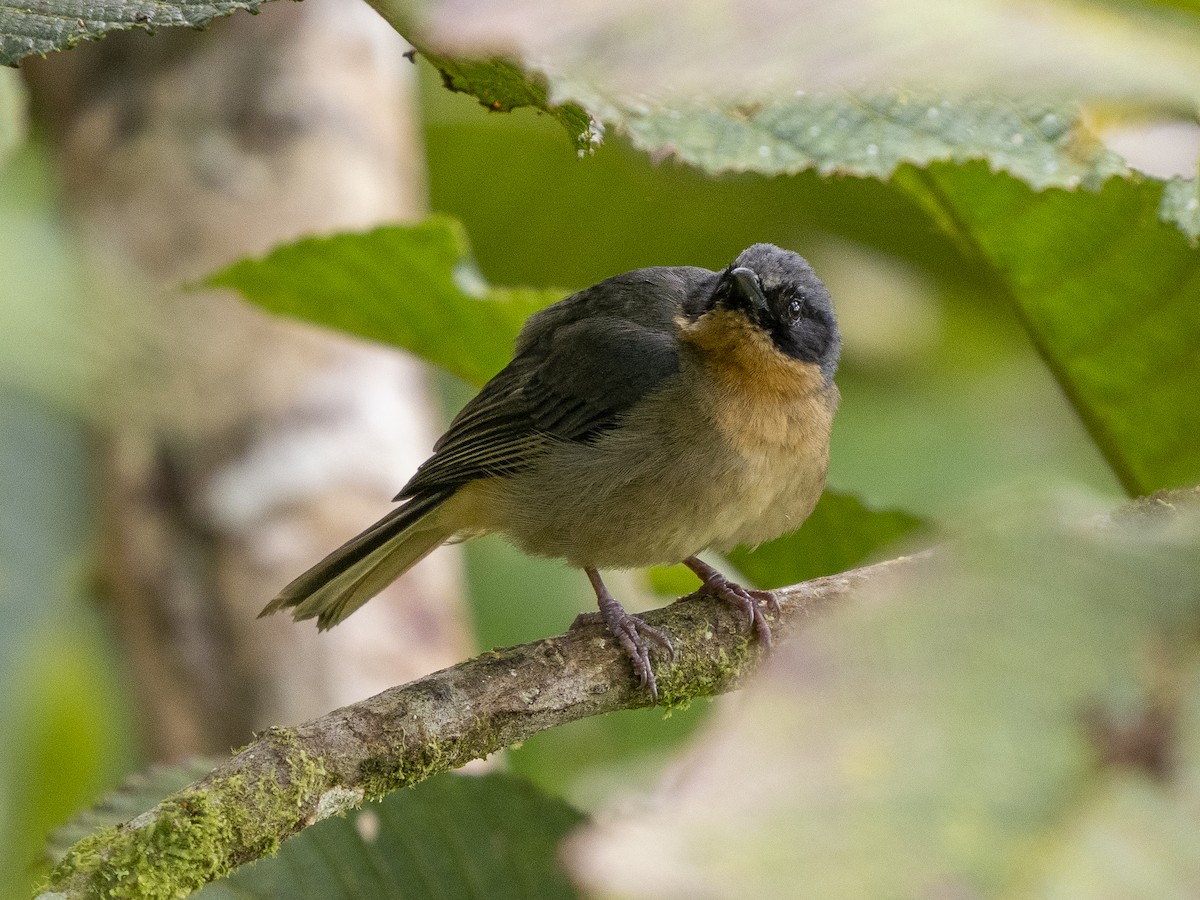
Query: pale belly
667	485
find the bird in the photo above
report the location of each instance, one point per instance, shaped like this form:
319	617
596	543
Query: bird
658	414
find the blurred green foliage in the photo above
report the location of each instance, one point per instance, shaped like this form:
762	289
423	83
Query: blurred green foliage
63	710
1014	717
460	836
12	113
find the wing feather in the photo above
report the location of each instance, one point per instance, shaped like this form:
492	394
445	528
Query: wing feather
581	364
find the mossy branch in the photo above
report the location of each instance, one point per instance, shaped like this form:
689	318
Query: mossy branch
290	778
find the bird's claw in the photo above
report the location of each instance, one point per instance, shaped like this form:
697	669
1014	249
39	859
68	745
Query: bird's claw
747	601
751	602
632	634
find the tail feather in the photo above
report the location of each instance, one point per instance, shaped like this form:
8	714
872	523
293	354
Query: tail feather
359	569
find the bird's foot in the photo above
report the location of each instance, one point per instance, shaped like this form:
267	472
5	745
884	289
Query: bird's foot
633	635
751	602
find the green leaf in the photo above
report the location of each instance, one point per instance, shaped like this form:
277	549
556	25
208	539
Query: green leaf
1045	144
840	534
44	26
662	52
408	286
454	836
872	134
841	92
1110	295
502	86
499	84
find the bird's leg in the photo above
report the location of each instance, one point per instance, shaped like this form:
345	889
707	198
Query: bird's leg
717	585
630	631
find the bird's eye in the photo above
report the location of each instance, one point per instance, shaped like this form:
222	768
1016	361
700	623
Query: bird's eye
794	308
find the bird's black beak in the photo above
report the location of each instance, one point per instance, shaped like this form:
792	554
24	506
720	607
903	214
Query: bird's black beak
745	286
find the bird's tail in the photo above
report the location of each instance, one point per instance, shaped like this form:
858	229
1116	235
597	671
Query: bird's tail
361	568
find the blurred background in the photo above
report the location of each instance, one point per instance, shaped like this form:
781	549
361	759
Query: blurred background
113	468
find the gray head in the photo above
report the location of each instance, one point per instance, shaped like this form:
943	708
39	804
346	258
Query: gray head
778	291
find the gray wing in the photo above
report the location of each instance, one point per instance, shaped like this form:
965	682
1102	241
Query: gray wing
580	365
596	370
